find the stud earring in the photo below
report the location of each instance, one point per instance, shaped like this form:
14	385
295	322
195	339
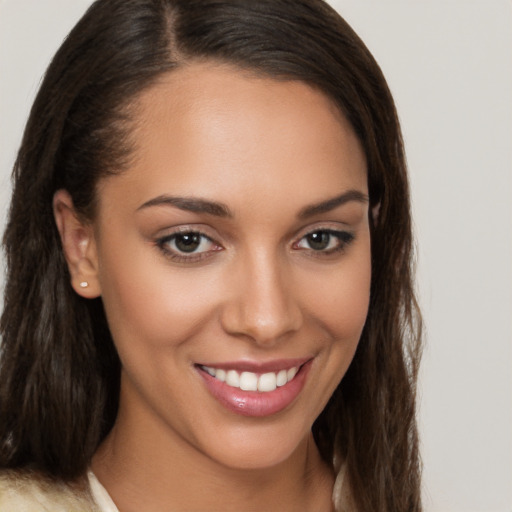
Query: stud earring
84	284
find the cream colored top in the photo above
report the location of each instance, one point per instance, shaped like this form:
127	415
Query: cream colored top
23	492
100	495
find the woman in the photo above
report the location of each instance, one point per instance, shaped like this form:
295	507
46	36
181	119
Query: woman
209	301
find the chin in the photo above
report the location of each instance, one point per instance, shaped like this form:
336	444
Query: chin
259	448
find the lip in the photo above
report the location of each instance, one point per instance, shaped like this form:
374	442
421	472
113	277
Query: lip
274	365
255	403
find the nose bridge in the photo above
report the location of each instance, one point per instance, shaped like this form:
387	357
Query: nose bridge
263	306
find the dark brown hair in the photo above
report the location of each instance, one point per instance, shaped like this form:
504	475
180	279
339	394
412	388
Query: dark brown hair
59	380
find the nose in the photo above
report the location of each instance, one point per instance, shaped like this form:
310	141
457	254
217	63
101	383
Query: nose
262	304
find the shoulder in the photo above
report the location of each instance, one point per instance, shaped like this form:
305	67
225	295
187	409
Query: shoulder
23	491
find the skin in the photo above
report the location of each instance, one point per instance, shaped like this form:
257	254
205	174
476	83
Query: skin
266	150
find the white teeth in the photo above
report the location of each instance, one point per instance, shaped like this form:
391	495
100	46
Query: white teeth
233	379
282	378
291	373
267	382
249	381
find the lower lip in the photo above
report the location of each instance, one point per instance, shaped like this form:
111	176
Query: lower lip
255	403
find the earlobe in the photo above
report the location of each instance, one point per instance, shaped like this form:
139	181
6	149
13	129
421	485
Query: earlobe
79	246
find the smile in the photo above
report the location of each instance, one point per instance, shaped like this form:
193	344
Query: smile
249	381
253	389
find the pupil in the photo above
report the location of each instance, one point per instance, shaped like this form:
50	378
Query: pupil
188	242
319	240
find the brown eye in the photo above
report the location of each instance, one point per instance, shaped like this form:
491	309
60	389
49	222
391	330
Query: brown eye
325	240
187	242
319	241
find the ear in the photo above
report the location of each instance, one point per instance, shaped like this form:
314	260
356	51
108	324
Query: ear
79	246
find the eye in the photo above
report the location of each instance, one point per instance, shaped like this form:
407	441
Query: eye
187	245
325	241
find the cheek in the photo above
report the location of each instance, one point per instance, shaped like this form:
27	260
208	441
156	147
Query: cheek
339	301
145	301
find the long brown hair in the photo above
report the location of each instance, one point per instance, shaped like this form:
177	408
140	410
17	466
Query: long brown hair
59	380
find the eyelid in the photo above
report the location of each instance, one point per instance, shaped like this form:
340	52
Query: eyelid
182	257
345	237
200	229
333	227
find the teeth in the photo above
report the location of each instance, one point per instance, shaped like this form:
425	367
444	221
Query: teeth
233	379
267	382
291	373
249	381
282	378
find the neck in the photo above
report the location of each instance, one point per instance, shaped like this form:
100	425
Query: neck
145	468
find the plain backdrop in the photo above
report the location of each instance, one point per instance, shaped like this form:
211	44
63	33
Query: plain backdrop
449	65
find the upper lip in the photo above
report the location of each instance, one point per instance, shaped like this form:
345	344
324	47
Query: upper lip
274	365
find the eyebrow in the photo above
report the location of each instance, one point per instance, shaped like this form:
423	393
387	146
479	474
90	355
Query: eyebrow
197	205
191	204
331	204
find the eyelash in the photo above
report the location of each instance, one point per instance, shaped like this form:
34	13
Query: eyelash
344	239
181	257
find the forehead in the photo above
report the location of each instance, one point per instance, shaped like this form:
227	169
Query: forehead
209	129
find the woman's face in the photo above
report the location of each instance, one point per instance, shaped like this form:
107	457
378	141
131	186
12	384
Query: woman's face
233	260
